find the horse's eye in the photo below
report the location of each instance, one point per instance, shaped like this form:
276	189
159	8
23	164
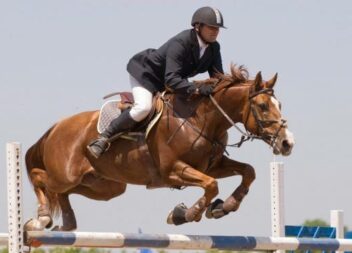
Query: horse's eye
263	107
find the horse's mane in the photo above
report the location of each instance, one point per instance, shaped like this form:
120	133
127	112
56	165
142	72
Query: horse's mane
239	74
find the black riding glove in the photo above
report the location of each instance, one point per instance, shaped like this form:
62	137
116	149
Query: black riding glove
191	89
204	90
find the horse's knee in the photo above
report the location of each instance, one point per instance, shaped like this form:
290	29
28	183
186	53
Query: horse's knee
249	173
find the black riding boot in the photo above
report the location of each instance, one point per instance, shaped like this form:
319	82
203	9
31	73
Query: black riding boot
122	123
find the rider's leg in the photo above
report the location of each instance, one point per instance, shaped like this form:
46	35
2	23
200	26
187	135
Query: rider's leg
143	101
127	120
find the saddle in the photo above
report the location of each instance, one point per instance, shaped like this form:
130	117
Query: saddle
113	108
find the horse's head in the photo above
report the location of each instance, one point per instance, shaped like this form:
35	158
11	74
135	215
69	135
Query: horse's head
263	116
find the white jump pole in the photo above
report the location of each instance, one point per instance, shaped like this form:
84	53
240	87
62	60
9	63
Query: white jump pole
277	200
336	220
14	197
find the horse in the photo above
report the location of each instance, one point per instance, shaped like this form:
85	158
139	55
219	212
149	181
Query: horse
185	147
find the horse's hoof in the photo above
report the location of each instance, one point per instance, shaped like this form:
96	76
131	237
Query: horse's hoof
33	225
215	210
44	216
169	218
178	215
46	220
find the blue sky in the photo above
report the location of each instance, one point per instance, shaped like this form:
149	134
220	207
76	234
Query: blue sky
58	58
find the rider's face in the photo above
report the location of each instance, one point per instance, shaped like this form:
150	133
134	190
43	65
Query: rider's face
209	33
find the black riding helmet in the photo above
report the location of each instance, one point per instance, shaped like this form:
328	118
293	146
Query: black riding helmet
209	16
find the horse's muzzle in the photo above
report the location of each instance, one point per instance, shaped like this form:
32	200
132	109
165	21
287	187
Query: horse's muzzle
284	143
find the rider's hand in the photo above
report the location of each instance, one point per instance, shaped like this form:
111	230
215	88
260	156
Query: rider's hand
192	89
205	90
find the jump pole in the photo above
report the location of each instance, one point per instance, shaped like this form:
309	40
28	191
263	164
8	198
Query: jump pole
189	242
14	197
336	220
278	206
277	200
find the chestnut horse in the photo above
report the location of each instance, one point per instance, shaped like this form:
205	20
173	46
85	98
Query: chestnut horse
185	148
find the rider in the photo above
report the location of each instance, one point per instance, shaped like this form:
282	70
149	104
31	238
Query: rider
188	53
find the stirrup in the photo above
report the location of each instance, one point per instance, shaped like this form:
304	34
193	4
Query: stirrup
99	150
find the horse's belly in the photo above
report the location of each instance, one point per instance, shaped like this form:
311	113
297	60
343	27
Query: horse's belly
128	162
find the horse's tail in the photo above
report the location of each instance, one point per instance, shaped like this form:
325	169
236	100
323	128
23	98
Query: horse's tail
34	161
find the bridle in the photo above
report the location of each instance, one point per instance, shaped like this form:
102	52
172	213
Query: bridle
261	123
269	138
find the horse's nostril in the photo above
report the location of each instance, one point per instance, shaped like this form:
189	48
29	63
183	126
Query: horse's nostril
285	144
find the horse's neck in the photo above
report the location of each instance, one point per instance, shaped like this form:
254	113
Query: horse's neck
234	102
205	115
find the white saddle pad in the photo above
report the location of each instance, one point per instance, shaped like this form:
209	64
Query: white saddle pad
108	112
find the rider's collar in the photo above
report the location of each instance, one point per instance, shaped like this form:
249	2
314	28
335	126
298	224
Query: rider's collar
202	46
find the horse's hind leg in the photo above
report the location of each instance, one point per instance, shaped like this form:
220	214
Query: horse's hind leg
92	187
68	216
228	168
98	188
44	219
185	175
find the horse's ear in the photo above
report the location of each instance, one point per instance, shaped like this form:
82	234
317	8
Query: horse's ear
258	82
270	84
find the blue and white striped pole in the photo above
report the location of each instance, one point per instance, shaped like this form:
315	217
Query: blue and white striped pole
178	241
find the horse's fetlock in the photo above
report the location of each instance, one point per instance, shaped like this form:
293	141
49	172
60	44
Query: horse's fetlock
231	205
201	203
241	192
43	210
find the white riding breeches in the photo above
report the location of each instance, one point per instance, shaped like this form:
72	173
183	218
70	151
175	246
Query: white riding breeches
143	100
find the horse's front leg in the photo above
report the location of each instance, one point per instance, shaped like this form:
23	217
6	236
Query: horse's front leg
227	168
184	175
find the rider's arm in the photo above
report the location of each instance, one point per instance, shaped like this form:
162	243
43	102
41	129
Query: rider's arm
175	56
